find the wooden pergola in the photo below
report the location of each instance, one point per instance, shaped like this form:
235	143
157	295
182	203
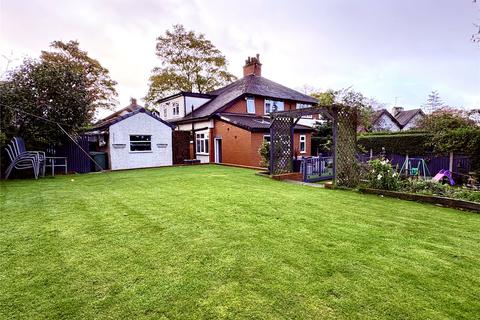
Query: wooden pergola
344	121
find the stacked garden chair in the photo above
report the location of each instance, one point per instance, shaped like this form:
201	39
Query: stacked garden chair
21	159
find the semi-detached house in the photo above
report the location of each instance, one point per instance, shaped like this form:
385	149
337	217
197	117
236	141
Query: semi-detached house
229	124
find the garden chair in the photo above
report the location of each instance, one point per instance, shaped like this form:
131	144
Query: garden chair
21	159
21	162
20	145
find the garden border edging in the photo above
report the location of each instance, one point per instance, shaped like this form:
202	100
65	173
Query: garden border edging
447	202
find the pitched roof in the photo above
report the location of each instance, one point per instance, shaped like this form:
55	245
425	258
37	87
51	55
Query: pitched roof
404	117
248	85
252	122
131	107
379	113
104	124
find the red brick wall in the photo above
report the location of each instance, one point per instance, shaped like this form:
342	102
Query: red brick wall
236	144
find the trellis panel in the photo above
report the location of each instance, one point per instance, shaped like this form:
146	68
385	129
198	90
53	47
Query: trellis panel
281	145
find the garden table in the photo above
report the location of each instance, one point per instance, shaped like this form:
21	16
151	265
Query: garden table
56	162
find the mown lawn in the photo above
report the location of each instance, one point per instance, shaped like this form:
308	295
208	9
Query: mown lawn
209	242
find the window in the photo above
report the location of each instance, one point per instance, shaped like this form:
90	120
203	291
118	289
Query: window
273	105
176	109
266	137
303	143
140	143
165	112
250	105
201	143
303	106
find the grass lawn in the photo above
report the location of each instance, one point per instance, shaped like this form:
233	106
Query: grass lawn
219	242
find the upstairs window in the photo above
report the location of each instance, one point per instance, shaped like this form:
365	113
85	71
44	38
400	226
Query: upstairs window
273	106
303	143
201	143
164	112
140	143
176	109
250	105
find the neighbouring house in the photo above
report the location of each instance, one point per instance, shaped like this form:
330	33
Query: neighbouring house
229	124
408	119
398	120
133	137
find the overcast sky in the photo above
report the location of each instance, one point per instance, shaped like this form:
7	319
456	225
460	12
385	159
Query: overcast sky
384	48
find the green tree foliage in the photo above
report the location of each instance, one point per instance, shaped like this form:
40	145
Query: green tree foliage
454	131
189	62
264	152
354	99
64	85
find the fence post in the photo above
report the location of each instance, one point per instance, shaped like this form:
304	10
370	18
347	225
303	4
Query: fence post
450	163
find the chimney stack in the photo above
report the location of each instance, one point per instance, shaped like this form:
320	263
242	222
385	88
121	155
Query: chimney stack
252	66
396	111
133	101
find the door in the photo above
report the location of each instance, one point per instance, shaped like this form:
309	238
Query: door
218	150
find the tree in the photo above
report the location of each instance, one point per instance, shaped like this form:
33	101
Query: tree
354	99
433	102
453	131
189	62
64	86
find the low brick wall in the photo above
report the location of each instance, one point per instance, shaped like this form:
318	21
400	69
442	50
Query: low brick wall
447	202
297	176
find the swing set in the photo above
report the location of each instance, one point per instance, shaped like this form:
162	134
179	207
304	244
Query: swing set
415	167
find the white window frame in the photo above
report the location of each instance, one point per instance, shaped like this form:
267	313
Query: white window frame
165	114
304	106
266	137
303	140
278	103
201	143
176	108
140	141
250	105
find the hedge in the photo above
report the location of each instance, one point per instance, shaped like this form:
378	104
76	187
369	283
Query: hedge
412	143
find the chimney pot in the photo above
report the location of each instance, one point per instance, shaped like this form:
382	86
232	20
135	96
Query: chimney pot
252	66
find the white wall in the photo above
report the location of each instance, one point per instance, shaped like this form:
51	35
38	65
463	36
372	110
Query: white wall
196	125
412	124
140	124
385	124
168	105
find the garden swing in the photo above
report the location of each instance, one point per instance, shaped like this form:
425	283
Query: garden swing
415	167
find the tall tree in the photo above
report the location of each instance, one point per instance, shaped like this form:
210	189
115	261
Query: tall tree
433	102
189	62
64	86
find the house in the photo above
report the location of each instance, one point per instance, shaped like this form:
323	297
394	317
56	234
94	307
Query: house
408	119
133	137
398	120
230	123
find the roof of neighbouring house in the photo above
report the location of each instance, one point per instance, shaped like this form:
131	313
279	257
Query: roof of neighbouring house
377	115
248	85
404	117
107	122
253	122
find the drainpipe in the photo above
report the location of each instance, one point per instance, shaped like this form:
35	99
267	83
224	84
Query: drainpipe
193	138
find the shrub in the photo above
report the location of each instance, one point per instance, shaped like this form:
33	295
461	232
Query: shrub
400	143
425	187
264	152
382	176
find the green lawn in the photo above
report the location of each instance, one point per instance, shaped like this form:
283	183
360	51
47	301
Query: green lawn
211	242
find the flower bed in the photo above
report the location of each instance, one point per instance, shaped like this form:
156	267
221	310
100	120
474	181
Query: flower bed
385	180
